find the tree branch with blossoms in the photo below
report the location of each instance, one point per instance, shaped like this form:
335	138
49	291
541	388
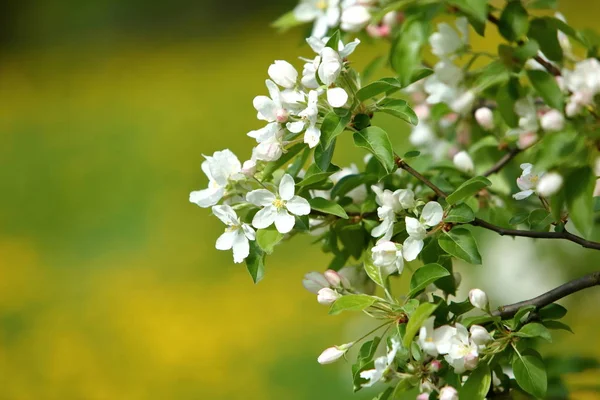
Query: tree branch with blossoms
526	115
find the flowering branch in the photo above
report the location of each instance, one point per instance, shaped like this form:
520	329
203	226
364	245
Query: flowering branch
550	297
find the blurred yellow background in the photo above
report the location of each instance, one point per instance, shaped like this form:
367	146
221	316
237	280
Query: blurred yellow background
110	285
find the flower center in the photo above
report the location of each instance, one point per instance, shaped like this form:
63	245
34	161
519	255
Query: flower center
279	204
282	116
322	4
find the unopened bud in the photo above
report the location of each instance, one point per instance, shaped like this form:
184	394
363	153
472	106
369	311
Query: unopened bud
423	396
249	168
478	298
463	162
333	354
448	393
527	139
480	335
464	102
552	121
283	74
485	118
327	296
434	366
314	281
549	184
333	278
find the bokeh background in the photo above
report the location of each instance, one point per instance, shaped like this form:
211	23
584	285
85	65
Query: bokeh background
110	286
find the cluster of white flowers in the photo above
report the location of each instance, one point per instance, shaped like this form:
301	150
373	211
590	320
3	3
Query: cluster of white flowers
544	184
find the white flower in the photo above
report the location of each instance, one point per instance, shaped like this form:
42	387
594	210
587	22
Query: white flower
478	298
354	18
447	41
485	118
442	86
463	162
337	97
448	393
549	184
406	198
431	215
527	182
271	109
480	336
309	121
335	279
553	121
382	365
584	81
334	353
249	167
464	353
325	13
464	102
385	230
309	73
277	208
422	135
344	50
236	234
528	121
270	145
327	296
388	256
330	67
314	281
220	168
283	74
435	341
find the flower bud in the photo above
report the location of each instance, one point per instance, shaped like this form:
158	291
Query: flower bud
478	298
354	18
434	366
333	278
422	111
282	116
552	121
471	361
337	97
283	74
327	296
485	118
480	335
448	393
464	102
378	31
249	168
527	139
549	184
463	162
384	254
334	353
423	396
314	281
348	275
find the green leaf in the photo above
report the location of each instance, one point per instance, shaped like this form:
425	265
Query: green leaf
374	272
419	74
376	140
468	189
384	85
460	243
255	262
399	109
424	276
533	330
547	88
579	190
514	21
324	155
286	21
268	238
506	97
331	127
327	207
334	40
540	219
543	4
486	141
405	55
352	302
527	50
495	73
557	325
552	311
546	35
314	175
530	373
416	320
461	214
350	182
478	384
477	9
361	121
411	154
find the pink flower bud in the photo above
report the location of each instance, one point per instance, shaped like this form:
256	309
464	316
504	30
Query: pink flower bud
333	278
527	139
485	118
434	366
471	361
249	168
448	393
422	111
282	116
314	281
423	396
553	121
327	296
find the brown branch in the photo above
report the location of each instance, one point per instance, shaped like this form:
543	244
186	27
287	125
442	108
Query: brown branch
503	161
564	235
550	297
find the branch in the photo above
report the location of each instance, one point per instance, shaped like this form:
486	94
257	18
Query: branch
502	162
498	229
550	297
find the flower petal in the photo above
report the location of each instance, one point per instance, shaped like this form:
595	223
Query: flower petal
523	195
284	222
267	110
411	248
312	136
264	217
337	97
207	197
286	187
241	247
225	241
260	197
226	214
295	127
298	206
249	232
432	213
415	229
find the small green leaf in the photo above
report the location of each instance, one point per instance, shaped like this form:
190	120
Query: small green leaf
286	21
268	238
547	37
411	154
331	127
334	40
384	85
352	302
468	189
424	276
484	142
543	4
361	121
405	55
255	262
557	325
533	330
514	21
416	320
399	109
376	140
327	207
579	190
547	88
374	272
540	219
476	9
461	214
530	373
478	384
460	243
506	97
552	311
324	155
420	74
350	182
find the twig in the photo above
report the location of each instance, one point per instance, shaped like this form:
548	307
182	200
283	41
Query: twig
550	297
401	164
503	161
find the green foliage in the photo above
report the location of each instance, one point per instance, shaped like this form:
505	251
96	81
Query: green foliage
255	262
376	140
268	238
405	55
460	243
351	302
547	88
468	189
530	372
514	21
425	276
416	320
478	384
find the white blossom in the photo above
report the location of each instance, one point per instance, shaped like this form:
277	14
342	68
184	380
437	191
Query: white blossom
344	50
388	256
355	17
584	83
528	120
549	184
478	298
327	296
382	365
464	102
220	168
309	116
324	13
435	341
333	278
464	353
431	215
334	353
446	41
480	336
463	162
278	208
283	73
527	182
236	235
448	393
552	121
485	118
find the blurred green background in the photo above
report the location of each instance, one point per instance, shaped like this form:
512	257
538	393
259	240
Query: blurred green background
110	285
